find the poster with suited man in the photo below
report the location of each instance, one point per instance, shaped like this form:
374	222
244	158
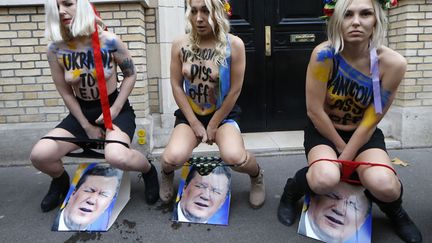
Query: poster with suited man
203	199
343	215
96	196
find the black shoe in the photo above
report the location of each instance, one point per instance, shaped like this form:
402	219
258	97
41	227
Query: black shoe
151	184
404	226
57	191
287	210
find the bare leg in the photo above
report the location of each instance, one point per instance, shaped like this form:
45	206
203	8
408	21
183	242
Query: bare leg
176	153
46	156
233	152
121	157
380	181
129	159
385	189
322	176
319	178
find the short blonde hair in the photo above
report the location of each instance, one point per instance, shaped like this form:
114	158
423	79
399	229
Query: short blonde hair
219	23
82	25
334	25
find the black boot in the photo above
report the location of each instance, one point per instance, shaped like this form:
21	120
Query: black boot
287	210
293	191
401	222
151	184
57	191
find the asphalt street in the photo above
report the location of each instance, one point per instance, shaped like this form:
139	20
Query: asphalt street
22	188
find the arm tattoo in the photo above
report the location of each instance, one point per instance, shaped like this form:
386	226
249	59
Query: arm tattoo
127	67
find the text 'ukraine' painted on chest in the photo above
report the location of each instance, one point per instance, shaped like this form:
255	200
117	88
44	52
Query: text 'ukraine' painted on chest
84	59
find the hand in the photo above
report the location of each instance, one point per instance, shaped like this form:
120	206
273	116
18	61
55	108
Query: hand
114	113
199	130
94	132
211	134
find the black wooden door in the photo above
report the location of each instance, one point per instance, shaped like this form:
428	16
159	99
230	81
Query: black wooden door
279	36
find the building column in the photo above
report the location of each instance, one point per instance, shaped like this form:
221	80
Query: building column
410	34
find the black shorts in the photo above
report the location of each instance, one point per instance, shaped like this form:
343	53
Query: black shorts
125	120
313	138
234	115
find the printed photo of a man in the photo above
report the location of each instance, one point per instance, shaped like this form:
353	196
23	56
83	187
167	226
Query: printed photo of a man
343	215
88	204
204	199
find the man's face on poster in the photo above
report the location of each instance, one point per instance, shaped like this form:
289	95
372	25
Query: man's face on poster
203	196
90	200
339	214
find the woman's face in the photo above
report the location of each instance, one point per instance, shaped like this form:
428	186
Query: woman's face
67	11
199	17
359	21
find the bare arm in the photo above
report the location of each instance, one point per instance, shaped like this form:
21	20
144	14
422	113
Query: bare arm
238	65
392	70
317	76
123	59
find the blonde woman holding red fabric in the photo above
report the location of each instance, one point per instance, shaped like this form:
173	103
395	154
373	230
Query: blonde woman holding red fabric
351	82
71	56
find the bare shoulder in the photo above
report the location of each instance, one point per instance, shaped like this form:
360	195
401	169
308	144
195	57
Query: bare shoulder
53	48
391	59
181	40
322	46
322	53
392	67
236	42
110	37
237	45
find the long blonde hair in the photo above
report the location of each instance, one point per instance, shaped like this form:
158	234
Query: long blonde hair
334	25
220	25
82	25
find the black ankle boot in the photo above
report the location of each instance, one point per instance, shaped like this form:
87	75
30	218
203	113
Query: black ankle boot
151	184
57	191
287	210
401	222
403	225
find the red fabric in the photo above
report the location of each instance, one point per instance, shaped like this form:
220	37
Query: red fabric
101	78
349	167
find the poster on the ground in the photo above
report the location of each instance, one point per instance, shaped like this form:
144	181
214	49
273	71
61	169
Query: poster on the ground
203	199
343	215
95	198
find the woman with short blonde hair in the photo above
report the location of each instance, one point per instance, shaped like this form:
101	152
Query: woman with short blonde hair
70	25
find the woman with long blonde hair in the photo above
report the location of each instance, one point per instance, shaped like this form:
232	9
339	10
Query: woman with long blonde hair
207	71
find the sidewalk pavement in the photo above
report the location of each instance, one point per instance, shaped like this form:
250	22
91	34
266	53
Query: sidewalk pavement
22	188
269	143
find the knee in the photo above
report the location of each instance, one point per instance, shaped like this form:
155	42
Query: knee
322	181
36	157
235	158
117	159
39	156
173	158
385	187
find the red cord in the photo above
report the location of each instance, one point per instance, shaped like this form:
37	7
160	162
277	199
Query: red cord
349	167
100	76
